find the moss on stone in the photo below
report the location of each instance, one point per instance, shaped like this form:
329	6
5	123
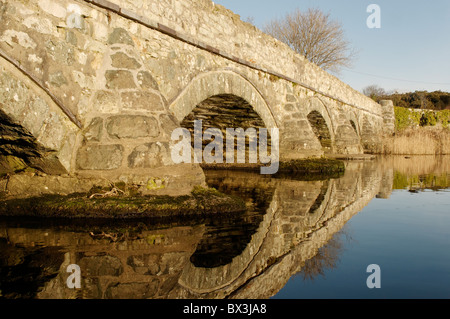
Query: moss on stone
201	202
312	166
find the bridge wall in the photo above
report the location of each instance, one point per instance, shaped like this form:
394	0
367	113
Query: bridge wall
127	72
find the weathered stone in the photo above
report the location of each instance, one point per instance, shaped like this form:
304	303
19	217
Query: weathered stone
142	101
120	35
122	61
71	38
13	37
101	266
12	93
35	114
52	132
61	52
119	79
144	264
132	126
57	79
150	155
173	262
146	80
11	164
49	165
132	290
291	98
106	102
289	107
94	131
168	122
99	157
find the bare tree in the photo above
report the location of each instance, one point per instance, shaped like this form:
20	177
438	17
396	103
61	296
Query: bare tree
315	36
374	92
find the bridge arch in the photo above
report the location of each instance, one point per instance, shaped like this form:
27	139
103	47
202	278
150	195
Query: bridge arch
354	122
321	123
219	83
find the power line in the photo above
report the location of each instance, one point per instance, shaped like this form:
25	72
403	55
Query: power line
395	79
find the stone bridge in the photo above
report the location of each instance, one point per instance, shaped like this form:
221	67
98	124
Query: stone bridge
94	88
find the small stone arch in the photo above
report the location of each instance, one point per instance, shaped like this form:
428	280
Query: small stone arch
316	110
217	83
354	122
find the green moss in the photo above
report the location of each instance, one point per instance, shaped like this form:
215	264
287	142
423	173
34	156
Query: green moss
274	78
312	165
154	184
155	239
202	201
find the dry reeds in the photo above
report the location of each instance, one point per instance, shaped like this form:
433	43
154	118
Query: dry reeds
430	140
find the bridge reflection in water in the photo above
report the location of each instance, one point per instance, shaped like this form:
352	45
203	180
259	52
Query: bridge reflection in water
248	256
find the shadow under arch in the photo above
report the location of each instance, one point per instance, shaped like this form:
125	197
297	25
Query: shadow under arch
320	120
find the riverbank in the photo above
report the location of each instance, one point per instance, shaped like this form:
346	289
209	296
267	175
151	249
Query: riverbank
122	202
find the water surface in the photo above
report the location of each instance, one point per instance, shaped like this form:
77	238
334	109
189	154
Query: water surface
300	238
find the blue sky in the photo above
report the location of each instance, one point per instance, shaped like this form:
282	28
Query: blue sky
411	50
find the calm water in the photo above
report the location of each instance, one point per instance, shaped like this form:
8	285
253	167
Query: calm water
299	239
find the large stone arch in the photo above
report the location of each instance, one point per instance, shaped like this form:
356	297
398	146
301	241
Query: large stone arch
36	119
215	83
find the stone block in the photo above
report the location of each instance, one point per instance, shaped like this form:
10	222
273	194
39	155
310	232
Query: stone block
35	115
94	131
100	157
289	107
168	122
291	98
146	80
119	79
57	79
53	132
120	36
101	266
106	102
150	156
132	126
122	61
140	100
